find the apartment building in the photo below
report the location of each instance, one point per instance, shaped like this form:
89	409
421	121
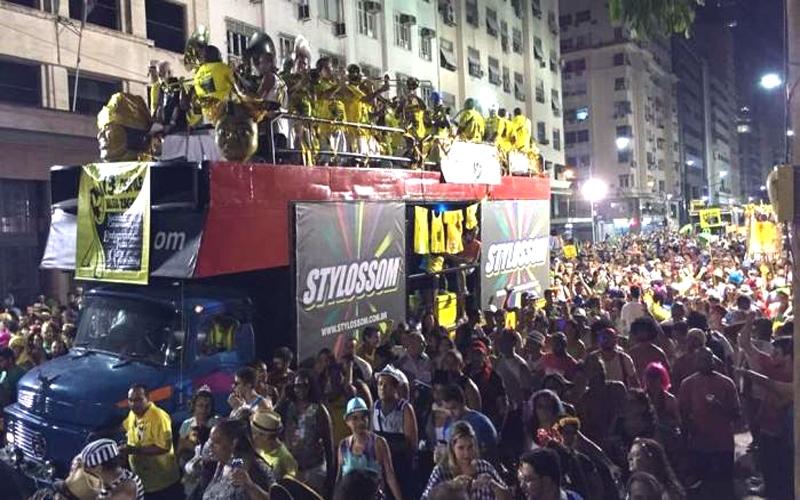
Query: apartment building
621	119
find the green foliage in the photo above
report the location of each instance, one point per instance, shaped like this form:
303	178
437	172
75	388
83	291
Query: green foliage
654	18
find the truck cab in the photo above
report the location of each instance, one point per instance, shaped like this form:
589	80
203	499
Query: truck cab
173	339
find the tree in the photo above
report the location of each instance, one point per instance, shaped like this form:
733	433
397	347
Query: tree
654	18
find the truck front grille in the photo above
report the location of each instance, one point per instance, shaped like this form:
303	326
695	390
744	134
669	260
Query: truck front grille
31	442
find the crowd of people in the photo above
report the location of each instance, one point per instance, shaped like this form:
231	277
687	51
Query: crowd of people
297	111
631	375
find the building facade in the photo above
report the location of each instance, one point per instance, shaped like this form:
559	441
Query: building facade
503	54
621	116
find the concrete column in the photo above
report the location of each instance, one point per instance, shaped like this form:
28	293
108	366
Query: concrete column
138	19
59	91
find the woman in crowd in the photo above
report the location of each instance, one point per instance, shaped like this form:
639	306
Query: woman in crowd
364	450
647	455
195	430
452	366
308	433
240	473
463	464
657	386
543	411
244	395
637	420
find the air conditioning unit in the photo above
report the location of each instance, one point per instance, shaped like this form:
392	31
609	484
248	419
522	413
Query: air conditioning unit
340	30
372	7
407	20
427	33
303	12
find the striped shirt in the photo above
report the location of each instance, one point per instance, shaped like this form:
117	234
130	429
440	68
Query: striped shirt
441	473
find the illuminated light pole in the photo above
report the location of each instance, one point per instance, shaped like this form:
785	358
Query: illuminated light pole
594	190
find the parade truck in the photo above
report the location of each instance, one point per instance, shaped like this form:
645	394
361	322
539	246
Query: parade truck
192	270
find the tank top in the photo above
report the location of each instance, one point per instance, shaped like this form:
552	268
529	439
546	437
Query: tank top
391	423
368	460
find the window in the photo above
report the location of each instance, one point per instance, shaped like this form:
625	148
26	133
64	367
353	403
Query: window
536	8
622	108
101	12
519	86
580	41
624	131
553	61
555	101
583	16
581	114
566	44
474	59
564	20
516	40
624	156
620	59
582	136
506	80
20	83
366	20
217	334
579	65
494	71
238	36
285	46
401	79
619	35
492	27
517	6
93	93
539	90
556	139
402	32
661	186
166	24
504	36
332	10
625	181
471	7
541	132
425	48
569	140
33	4
538	52
22	205
620	84
446	55
337	60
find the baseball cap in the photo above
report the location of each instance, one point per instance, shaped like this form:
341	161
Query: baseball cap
355	405
391	371
536	337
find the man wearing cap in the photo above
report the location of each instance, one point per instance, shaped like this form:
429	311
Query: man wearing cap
394	420
149	446
101	460
266	427
416	364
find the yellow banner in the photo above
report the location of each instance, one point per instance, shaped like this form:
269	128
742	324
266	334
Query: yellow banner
570	252
711	217
113	241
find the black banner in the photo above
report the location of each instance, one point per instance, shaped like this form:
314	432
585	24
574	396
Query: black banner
516	249
349	269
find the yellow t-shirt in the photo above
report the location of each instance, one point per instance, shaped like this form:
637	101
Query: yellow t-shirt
471	125
522	132
421	233
154	428
453	220
437	234
280	460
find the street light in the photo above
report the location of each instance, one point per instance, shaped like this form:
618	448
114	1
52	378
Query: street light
690	163
771	81
723	174
594	190
763	188
623	143
790	133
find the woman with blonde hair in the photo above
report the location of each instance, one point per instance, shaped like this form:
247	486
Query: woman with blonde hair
463	465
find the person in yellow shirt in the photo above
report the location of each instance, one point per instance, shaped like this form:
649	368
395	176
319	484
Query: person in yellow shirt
521	137
213	84
266	427
149	446
471	124
504	130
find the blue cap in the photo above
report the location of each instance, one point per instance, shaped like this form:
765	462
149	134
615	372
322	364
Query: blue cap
355	405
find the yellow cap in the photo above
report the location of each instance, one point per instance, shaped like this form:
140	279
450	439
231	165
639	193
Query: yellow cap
127	110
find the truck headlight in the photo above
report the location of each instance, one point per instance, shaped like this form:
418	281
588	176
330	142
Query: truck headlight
9	437
49	470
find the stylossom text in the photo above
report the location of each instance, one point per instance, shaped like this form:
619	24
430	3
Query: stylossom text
344	282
